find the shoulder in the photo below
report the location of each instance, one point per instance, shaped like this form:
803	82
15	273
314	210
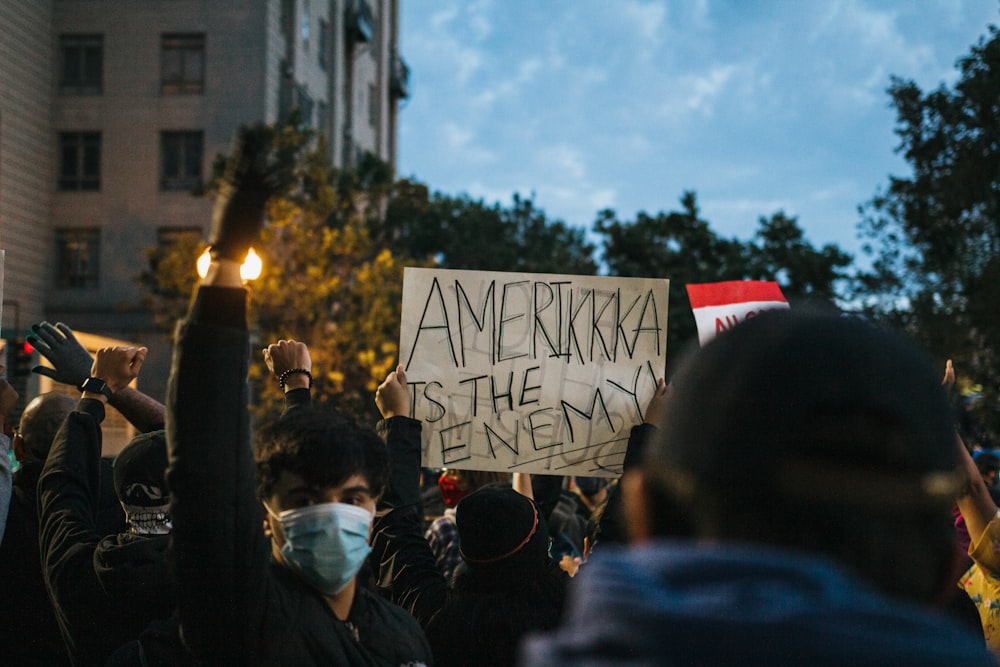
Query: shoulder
386	627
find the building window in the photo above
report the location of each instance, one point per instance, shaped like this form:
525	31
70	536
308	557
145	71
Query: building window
306	103
372	105
182	63
80	161
81	64
77	253
321	116
180	160
321	38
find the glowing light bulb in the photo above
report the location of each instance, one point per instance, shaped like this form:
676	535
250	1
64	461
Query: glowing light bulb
249	270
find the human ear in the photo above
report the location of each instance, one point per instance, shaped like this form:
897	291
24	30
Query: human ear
18	443
268	531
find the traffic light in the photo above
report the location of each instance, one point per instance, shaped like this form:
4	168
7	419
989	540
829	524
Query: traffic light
22	357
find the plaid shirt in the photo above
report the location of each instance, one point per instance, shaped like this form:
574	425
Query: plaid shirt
443	538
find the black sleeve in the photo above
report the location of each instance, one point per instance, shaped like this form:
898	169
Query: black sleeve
406	572
612	523
297	399
69	490
218	551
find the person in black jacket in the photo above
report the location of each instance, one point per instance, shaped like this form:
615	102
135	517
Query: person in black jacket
244	599
104	590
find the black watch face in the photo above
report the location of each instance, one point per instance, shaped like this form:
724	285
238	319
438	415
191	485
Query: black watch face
95	384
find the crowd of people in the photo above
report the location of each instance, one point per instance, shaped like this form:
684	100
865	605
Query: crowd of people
792	497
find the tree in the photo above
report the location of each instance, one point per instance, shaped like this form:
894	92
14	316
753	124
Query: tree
681	246
678	245
463	233
780	252
935	235
333	253
325	280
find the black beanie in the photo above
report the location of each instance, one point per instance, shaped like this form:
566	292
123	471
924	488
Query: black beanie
140	471
498	528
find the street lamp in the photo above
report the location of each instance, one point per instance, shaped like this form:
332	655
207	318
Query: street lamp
249	270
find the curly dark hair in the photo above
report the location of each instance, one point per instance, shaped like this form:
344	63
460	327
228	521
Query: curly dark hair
324	448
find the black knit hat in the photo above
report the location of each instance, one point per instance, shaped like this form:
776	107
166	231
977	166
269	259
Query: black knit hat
140	471
811	406
498	528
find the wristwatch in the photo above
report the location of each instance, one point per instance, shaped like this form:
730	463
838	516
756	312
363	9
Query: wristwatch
96	384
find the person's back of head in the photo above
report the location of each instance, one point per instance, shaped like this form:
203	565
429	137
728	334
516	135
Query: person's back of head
505	587
819	433
40	421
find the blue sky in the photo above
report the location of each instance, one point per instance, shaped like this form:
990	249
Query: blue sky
757	106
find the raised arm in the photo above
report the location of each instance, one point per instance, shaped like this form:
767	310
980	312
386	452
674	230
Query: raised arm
404	566
71	364
291	366
68	502
612	521
974	501
219	553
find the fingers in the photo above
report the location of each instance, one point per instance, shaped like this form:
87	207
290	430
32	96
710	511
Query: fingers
67	332
45	333
949	374
401	375
138	358
44	370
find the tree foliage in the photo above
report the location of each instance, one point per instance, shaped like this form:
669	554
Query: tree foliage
680	245
463	233
333	253
935	235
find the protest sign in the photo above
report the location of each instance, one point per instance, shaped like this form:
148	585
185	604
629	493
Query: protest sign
539	373
721	306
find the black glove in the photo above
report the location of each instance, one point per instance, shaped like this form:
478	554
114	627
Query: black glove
254	172
71	362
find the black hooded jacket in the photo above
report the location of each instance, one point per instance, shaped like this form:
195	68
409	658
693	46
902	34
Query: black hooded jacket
105	591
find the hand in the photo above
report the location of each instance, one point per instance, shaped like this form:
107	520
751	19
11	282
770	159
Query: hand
949	376
71	362
656	409
118	366
287	354
570	564
8	400
255	171
393	396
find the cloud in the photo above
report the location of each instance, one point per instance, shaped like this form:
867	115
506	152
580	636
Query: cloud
510	88
459	143
567	159
646	17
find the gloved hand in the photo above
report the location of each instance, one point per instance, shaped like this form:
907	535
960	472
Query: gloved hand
71	362
255	171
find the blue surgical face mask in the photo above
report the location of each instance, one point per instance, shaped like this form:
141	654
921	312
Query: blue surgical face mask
325	544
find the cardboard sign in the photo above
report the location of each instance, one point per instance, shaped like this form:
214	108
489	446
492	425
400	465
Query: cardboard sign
721	306
535	373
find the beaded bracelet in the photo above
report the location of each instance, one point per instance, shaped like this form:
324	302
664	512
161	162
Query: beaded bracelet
292	371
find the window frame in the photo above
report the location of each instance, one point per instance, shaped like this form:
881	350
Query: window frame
75	172
71	243
180	142
184	46
86	47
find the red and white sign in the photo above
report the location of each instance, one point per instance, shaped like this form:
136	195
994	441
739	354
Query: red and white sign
720	306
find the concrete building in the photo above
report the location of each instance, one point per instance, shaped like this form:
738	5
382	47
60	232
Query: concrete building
112	111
